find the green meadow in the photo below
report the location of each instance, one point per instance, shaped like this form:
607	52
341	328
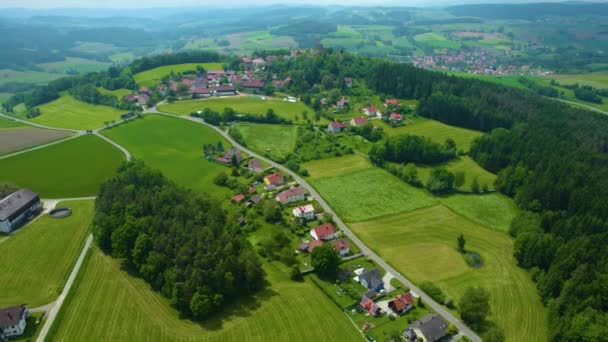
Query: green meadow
436	40
422	245
436	131
118	93
274	141
152	77
468	167
244	105
175	147
73	168
34	77
74	64
333	167
67	112
107	304
37	260
491	210
6	123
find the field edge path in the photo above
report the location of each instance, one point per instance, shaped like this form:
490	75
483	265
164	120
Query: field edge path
463	329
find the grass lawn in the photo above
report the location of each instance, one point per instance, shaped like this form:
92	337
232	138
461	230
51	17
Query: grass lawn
243	105
366	194
34	77
126	309
37	260
467	166
435	130
118	93
6	123
67	112
492	210
175	147
69	169
80	65
422	245
332	167
152	77
279	140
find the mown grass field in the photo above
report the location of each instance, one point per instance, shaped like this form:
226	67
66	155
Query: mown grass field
37	260
362	195
108	304
152	77
422	245
70	64
19	138
468	167
72	168
118	93
34	77
333	167
492	210
6	123
274	141
436	131
67	112
595	79
175	147
243	105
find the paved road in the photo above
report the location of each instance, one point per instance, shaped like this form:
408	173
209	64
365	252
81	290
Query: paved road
364	249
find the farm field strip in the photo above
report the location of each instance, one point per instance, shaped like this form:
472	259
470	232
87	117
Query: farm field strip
37	258
276	141
21	138
67	112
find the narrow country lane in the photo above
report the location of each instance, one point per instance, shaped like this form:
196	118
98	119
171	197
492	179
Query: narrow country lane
364	249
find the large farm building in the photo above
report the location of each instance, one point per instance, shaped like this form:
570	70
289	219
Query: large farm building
17	208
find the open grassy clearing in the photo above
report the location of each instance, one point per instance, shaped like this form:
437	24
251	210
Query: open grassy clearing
436	131
73	168
118	93
595	79
332	167
34	77
243	104
436	40
366	194
7	123
175	147
422	245
275	141
152	77
37	260
108	304
468	167
67	112
74	64
20	138
491	210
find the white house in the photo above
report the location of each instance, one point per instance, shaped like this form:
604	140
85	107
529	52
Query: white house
305	211
17	208
13	321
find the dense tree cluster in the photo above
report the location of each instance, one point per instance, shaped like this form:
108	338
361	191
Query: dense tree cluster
179	242
412	149
147	63
90	94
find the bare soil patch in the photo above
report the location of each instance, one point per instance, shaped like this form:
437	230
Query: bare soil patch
16	139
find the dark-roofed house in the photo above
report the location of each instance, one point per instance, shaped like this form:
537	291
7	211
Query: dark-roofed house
372	280
255	166
325	231
13	321
255	199
17	208
402	303
429	328
227	157
201	92
224	90
341	246
253	85
291	195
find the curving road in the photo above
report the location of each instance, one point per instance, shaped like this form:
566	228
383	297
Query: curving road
464	330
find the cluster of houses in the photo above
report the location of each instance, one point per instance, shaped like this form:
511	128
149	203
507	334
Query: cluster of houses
326	233
141	97
370	112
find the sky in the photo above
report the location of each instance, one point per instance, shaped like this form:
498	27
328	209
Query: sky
47	4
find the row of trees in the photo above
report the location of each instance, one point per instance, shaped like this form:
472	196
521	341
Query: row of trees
228	115
412	149
180	242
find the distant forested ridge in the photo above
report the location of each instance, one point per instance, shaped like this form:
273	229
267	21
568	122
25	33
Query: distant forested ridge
531	11
553	160
180	242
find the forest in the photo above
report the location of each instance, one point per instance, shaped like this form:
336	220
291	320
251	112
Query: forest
180	242
412	149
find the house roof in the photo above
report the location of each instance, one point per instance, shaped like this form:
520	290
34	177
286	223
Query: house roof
201	91
341	244
313	244
393	102
373	278
368	304
396	116
402	301
336	124
284	195
246	60
253	84
224	88
255	164
275	178
304	208
11	316
342	101
324	230
372	109
432	326
255	199
359	120
238	198
16	201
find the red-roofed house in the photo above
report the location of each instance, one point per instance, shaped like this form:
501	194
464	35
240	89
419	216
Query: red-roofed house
402	303
291	195
391	102
341	246
255	166
325	232
145	90
309	246
341	103
370	111
258	61
281	83
396	117
253	85
306	212
335	127
370	306
358	121
143	98
274	179
237	198
246	60
227	157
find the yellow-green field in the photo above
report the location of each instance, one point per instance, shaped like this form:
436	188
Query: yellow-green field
243	105
491	210
107	304
436	131
37	260
67	112
595	79
152	77
274	141
118	93
468	167
422	245
332	167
